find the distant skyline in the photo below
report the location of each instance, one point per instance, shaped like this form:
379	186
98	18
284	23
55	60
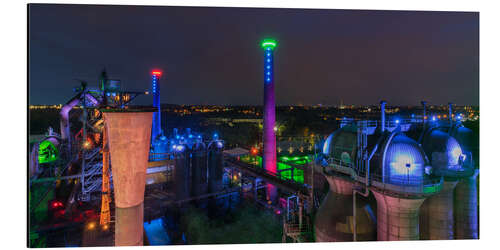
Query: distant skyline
212	55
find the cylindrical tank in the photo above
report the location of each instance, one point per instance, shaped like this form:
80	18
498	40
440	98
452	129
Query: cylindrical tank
160	145
397	217
334	219
436	214
129	134
199	170
466	207
215	166
182	171
445	155
399	175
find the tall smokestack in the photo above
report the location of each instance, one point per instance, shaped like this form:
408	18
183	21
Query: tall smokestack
155	87
269	135
382	115
129	134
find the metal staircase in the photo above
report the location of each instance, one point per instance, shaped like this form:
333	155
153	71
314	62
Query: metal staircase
91	173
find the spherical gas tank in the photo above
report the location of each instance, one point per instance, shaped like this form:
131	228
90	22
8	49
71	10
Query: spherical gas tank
403	161
444	152
464	136
341	145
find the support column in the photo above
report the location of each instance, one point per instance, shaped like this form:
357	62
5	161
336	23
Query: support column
397	218
129	136
436	214
466	221
334	219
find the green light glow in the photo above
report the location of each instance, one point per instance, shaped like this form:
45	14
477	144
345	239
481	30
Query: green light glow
47	152
269	43
298	174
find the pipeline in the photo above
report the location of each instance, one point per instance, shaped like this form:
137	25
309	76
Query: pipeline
64	114
382	115
366	192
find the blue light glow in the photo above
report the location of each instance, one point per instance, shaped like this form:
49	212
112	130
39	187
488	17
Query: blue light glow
397	121
403	164
454	152
180	148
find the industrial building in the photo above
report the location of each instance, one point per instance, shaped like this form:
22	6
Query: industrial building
389	179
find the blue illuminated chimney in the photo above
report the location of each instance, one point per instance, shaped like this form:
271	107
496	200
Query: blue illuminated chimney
155	87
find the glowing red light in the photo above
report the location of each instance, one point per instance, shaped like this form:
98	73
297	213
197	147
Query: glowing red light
254	151
156	73
56	204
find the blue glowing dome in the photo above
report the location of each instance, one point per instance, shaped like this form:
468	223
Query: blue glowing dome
444	151
199	146
160	145
216	144
341	145
464	136
403	161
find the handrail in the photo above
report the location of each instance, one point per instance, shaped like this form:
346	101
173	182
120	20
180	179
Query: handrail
403	184
265	172
160	156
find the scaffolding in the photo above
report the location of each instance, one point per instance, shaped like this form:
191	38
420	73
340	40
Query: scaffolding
105	216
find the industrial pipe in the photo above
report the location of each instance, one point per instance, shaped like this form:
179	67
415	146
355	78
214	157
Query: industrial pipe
64	114
365	193
382	115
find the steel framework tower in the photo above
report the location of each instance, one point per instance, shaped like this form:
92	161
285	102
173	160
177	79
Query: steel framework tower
155	87
105	217
269	135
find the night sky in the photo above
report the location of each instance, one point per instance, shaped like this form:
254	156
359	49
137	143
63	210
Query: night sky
213	55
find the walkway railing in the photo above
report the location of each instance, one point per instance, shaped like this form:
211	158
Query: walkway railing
397	184
276	177
160	156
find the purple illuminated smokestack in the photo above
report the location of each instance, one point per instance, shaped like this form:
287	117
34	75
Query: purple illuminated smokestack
269	135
